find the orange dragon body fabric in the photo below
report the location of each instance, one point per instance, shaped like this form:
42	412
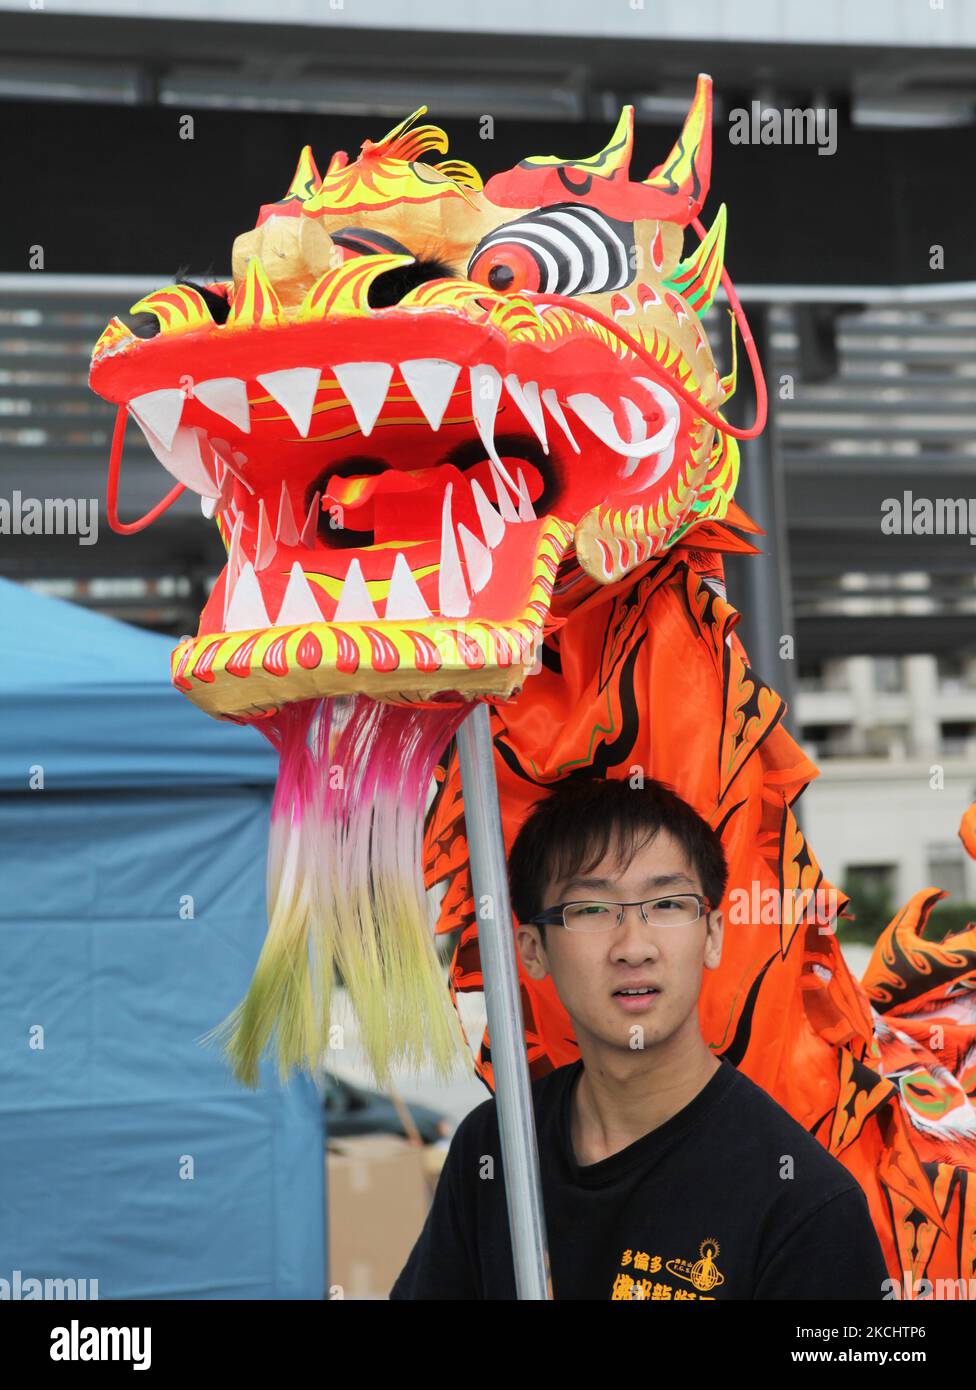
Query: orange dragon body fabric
648	677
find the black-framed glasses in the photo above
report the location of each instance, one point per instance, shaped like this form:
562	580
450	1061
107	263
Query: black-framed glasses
675	910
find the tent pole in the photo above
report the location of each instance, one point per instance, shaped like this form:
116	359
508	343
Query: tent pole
496	945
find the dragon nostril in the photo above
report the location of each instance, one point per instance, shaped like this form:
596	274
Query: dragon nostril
390	287
217	304
142	325
146	325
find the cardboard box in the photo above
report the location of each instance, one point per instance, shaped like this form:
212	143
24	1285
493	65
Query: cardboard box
379	1190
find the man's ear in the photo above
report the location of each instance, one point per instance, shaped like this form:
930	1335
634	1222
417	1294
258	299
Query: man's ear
713	939
532	952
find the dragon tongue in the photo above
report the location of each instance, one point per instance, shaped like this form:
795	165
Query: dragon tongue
360	488
351	492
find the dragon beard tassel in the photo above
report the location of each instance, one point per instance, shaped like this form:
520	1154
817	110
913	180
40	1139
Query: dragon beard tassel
346	894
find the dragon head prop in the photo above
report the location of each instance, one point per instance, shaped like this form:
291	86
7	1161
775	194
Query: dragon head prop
418	396
421	408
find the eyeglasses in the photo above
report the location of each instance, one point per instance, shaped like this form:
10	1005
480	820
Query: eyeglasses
678	910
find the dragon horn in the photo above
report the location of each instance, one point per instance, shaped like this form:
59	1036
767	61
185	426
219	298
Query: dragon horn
697	278
615	156
306	180
687	170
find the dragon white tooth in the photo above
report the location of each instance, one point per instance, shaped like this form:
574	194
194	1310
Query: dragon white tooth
185	460
526	510
234	560
662	465
431	381
491	523
598	417
551	402
226	396
671	412
638	432
211	506
663	397
310	529
527	399
298	605
226	483
265	548
247	608
508	512
235	468
405	599
159	412
286	532
365	385
233	462
477	557
452	594
486	394
355	604
294	389
636	421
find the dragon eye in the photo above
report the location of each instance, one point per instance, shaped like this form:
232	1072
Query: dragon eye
506	267
564	249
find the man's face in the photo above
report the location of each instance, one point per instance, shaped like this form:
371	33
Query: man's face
589	969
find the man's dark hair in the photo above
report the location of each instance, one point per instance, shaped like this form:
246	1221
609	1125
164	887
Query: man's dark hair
571	829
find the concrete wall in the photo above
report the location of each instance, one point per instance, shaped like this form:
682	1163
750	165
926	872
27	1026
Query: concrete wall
866	812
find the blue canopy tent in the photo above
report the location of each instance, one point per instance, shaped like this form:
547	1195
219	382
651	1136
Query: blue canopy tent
133	831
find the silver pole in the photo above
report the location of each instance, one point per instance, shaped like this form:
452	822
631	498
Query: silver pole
496	946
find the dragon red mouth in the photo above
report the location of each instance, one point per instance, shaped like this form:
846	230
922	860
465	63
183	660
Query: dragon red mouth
396	498
390	495
381	563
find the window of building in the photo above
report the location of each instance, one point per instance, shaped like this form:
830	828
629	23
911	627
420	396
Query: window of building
875	878
831	740
946	869
956	671
888	675
957	737
810	675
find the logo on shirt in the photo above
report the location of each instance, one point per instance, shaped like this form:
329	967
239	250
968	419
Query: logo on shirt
703	1274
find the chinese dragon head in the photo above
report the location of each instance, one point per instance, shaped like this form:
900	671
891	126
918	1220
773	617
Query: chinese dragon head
421	409
463	443
408	409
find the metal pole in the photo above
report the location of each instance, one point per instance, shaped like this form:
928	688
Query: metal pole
506	1030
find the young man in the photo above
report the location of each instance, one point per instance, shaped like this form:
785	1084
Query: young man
666	1173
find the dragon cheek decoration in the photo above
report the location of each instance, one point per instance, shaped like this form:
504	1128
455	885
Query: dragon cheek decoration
416	407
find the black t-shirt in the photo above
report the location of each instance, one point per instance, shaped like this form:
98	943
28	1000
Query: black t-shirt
729	1198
